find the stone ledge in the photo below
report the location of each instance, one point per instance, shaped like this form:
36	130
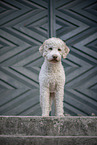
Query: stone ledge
47	140
48	126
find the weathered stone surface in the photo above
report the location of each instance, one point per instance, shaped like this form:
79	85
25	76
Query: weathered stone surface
48	140
48	126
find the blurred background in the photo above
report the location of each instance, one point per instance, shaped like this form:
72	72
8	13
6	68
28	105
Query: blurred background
24	25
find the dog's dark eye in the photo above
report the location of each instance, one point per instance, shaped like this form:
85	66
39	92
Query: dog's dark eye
50	48
59	49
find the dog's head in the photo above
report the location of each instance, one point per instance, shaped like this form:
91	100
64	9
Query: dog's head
53	48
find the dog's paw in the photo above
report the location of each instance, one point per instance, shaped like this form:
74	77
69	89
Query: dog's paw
45	115
60	115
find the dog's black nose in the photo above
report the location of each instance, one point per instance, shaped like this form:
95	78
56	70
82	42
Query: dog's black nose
55	56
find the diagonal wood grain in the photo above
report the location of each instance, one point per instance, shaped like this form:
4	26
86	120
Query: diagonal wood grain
23	28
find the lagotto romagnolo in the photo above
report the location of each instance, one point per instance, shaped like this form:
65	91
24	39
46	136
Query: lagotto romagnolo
52	75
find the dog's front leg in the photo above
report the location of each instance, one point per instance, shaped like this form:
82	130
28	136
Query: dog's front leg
59	101
45	101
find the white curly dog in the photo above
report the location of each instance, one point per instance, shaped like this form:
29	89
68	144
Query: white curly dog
52	75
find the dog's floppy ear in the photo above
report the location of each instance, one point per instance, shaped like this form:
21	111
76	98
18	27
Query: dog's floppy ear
65	51
41	49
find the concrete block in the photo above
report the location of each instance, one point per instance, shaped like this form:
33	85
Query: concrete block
48	126
48	140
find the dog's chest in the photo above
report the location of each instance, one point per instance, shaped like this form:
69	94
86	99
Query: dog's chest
52	87
52	83
54	80
52	76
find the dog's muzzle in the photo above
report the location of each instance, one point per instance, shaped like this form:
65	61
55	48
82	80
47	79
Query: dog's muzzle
54	58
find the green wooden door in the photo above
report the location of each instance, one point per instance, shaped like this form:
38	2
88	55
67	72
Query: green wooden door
24	25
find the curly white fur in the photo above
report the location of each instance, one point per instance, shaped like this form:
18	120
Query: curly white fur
52	75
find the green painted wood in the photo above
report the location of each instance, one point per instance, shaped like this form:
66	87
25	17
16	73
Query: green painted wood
24	26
